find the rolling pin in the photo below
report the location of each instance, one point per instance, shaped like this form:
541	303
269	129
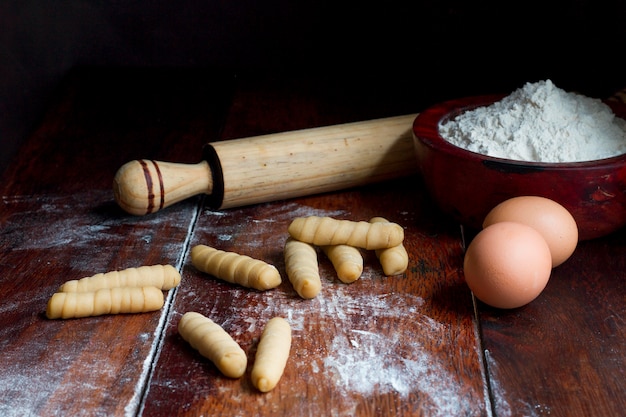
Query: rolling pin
273	167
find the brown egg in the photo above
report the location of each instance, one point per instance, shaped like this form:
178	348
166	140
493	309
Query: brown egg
552	220
507	264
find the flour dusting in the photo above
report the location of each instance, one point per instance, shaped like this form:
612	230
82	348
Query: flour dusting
365	362
499	396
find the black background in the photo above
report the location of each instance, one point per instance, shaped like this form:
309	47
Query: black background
434	50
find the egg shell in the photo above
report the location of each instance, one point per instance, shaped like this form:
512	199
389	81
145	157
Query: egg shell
507	265
555	223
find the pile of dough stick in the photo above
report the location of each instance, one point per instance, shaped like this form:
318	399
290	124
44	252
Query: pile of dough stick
340	240
139	290
215	344
132	290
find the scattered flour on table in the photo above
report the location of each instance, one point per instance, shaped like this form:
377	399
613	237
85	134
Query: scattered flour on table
359	359
363	361
499	395
260	226
84	228
540	122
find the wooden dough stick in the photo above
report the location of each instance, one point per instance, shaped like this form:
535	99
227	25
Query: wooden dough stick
214	343
164	277
65	305
395	260
235	268
273	167
347	260
323	231
302	268
272	354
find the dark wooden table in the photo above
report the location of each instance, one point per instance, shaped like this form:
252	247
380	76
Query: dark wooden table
414	344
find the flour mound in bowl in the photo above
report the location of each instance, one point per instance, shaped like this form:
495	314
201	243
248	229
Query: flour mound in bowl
540	122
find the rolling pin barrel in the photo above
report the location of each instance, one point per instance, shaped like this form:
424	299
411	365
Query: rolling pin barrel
273	167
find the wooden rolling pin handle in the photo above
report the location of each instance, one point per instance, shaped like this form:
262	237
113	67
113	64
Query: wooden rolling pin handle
272	167
144	186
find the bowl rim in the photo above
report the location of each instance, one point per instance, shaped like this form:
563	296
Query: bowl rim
426	129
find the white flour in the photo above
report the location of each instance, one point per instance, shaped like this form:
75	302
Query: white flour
540	123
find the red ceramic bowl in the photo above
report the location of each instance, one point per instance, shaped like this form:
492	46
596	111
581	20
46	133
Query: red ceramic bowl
467	185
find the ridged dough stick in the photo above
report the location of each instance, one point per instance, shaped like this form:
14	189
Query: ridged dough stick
347	260
302	268
164	277
214	343
394	260
272	354
66	305
323	231
235	268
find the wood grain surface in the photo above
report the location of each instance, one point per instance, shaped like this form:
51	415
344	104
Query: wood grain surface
415	344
